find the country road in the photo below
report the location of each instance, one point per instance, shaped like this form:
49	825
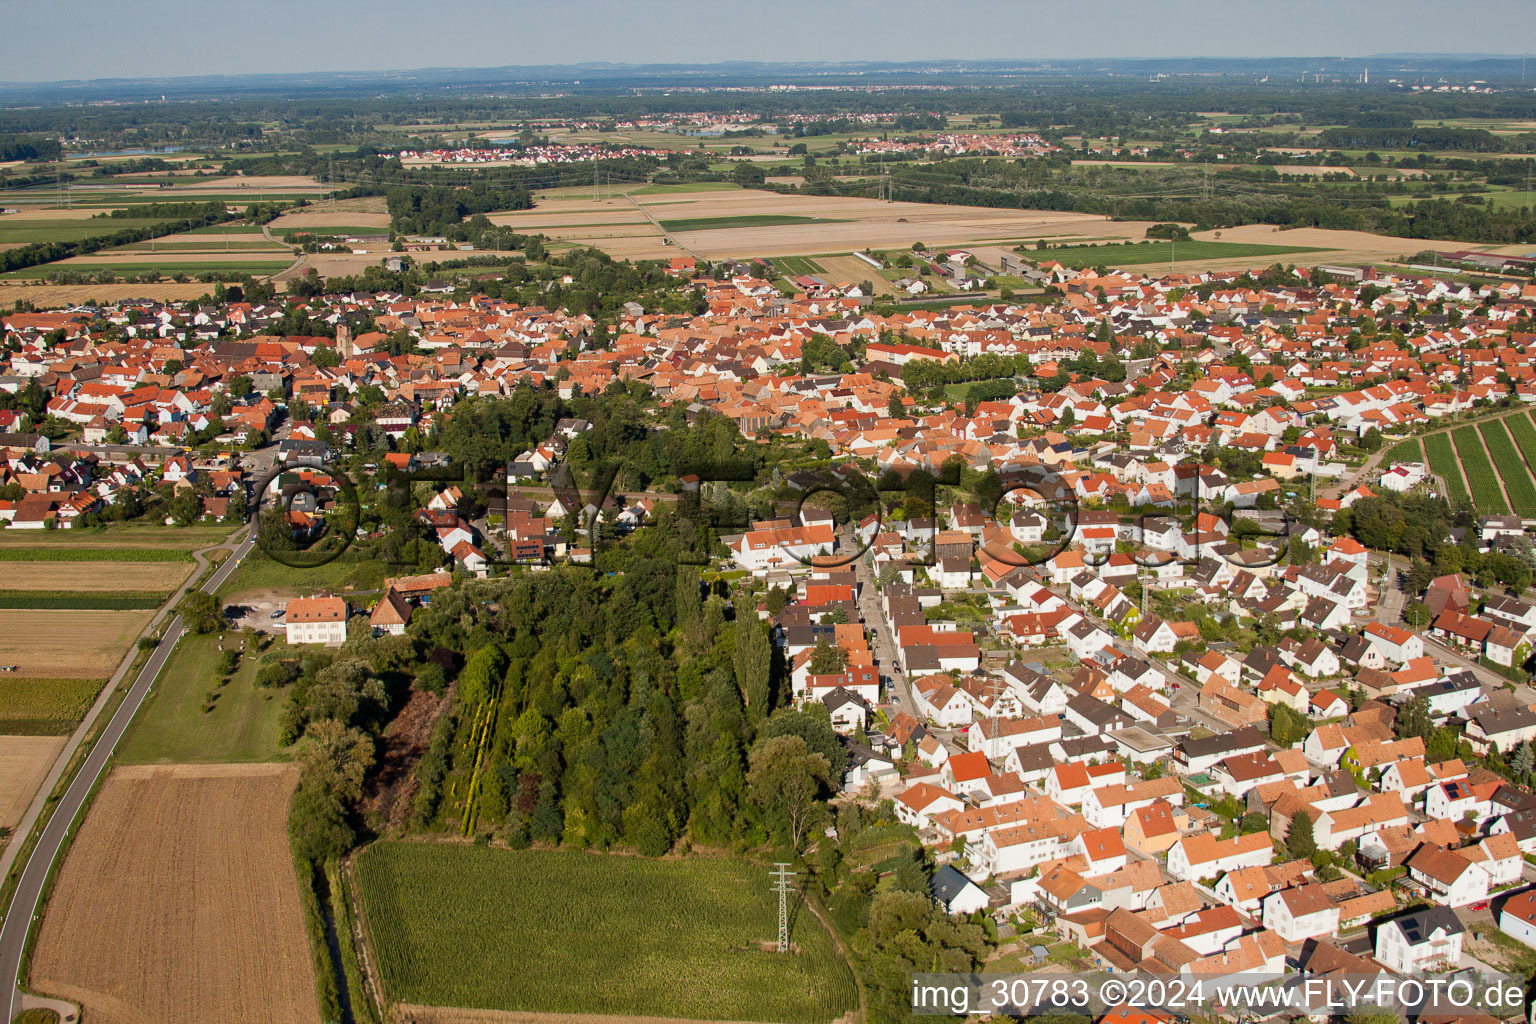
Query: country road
14	927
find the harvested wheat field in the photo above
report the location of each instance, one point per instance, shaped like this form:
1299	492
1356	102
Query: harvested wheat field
1348	247
95	577
49	295
68	644
178	902
24	761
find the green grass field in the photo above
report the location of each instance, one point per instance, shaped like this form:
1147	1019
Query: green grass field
1131	254
258	572
172	727
796	265
746	220
1410	450
138	533
1481	480
1443	463
212	246
238	227
80	599
44	707
342	231
692	186
66	230
568	932
1524	433
46	553
1511	467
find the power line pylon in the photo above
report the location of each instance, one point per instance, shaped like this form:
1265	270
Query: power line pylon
781	876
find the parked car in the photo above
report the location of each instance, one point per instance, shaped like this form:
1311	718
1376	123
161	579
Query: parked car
1479	905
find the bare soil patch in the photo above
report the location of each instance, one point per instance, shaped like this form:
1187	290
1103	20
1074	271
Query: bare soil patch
405	741
24	762
178	902
68	644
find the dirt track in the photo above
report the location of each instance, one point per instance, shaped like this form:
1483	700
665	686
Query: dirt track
178	903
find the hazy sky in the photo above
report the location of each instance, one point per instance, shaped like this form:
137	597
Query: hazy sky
48	40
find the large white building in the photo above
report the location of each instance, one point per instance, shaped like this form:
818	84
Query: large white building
316	620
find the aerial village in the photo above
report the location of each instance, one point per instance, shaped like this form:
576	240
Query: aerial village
1197	745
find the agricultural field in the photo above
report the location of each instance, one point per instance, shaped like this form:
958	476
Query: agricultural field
1410	450
116	576
167	265
18	229
1481	479
68	644
797	265
530	930
24	763
117	536
190	717
1135	254
1511	467
44	707
1524	432
711	221
1443	463
202	919
746	220
45	294
62	554
343	230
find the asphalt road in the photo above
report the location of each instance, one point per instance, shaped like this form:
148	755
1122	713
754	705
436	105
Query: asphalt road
18	916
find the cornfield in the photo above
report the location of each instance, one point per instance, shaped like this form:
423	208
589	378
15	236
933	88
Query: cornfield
567	932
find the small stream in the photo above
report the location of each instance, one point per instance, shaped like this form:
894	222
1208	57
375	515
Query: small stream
333	945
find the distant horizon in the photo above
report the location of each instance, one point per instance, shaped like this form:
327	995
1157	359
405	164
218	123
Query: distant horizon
171	40
793	68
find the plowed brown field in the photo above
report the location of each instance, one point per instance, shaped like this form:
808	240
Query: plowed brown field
178	902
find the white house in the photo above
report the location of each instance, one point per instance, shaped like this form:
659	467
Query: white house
316	620
1517	919
956	893
1205	856
1427	940
1301	913
1450	879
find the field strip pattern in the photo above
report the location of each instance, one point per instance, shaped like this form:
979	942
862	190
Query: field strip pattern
1487	492
1524	433
1443	463
1511	466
